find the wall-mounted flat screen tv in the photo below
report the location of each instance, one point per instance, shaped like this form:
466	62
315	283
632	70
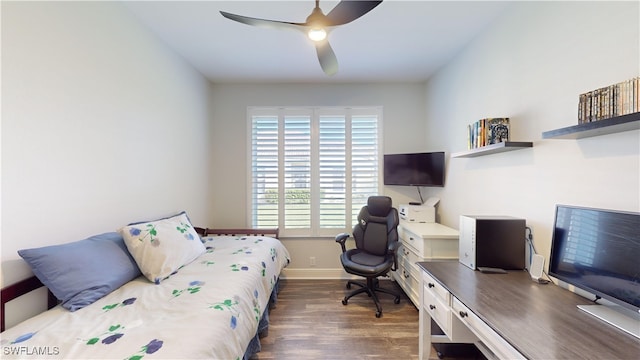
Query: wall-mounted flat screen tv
415	169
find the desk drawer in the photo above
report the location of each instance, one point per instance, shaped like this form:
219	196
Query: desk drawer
434	287
406	252
494	342
408	274
412	281
436	302
409	258
413	241
439	312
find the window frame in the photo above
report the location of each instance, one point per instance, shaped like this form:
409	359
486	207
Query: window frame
315	112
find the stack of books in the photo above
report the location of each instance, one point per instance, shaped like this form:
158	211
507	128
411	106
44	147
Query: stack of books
614	100
487	131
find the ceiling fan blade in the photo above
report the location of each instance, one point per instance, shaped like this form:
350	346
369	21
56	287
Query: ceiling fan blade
327	57
346	11
270	24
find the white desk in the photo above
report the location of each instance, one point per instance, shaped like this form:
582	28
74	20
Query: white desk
508	316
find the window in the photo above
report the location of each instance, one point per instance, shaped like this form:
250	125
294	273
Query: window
312	169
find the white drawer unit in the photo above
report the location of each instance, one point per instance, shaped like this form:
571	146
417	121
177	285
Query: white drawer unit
421	242
500	349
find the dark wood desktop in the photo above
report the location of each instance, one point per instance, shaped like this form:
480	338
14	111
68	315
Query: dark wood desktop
540	321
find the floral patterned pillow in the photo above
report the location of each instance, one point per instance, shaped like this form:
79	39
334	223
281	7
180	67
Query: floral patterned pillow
161	247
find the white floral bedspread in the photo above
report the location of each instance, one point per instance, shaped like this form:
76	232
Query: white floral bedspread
209	309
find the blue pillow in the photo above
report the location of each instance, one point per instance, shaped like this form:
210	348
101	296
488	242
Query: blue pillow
81	272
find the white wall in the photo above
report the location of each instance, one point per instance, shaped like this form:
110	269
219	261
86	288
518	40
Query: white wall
403	129
101	125
531	66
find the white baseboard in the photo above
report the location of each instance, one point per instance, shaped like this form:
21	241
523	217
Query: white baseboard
317	274
313	273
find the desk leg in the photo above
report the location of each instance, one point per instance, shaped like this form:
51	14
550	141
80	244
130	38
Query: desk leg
424	323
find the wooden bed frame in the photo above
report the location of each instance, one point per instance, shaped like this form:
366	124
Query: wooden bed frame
233	232
25	286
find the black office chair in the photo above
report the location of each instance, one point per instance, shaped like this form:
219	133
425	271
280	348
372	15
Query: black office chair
376	237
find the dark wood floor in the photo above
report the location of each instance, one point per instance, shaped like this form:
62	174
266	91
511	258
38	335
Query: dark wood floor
310	322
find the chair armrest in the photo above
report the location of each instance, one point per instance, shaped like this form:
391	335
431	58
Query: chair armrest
342	238
392	248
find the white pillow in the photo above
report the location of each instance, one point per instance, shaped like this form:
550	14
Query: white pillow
161	247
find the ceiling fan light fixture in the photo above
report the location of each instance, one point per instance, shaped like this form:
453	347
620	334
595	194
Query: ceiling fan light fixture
317	26
317	34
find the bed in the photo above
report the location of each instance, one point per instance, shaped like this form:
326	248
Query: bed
212	307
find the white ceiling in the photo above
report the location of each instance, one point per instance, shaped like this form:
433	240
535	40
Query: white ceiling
398	41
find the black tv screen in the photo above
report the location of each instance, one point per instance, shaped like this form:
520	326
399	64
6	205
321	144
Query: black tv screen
598	251
416	169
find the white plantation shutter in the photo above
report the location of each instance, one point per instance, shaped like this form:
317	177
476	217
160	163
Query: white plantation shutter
312	169
332	170
364	162
264	171
297	172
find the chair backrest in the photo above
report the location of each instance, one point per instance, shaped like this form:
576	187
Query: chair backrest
377	226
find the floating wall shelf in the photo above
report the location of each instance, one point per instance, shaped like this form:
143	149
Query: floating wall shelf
602	127
493	149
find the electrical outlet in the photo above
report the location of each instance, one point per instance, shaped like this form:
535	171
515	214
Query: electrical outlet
312	261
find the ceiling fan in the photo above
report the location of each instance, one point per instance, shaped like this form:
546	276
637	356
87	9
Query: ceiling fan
317	26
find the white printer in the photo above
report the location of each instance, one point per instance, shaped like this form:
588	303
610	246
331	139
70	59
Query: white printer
425	213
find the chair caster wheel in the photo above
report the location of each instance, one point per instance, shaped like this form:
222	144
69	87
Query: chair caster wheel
344	301
396	300
378	314
348	286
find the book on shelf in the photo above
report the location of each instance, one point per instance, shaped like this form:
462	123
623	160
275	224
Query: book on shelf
614	100
487	131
